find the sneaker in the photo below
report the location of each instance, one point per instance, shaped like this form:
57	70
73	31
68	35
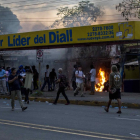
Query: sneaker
119	112
67	103
24	108
27	102
54	103
106	109
12	109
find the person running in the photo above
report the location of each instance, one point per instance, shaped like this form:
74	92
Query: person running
92	79
62	85
53	77
79	81
15	88
47	79
3	77
74	78
114	88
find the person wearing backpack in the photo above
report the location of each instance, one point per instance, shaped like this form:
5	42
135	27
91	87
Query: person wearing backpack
114	88
62	85
79	81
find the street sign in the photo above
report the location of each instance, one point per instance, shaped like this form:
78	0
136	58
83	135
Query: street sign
39	55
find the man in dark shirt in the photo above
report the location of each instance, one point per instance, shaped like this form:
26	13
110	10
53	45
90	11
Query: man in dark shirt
53	77
62	85
15	88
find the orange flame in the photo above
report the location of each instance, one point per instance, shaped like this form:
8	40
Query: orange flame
100	86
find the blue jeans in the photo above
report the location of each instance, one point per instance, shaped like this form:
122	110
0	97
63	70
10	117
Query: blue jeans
47	80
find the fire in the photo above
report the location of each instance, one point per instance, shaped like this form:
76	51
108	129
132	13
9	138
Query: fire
100	86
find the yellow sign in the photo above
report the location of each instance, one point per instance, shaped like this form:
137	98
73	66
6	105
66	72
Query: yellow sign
85	34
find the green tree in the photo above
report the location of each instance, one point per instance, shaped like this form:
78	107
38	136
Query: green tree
84	14
129	8
9	23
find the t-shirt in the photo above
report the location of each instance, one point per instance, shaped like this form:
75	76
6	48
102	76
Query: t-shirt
21	71
2	72
62	82
16	84
79	73
93	75
52	75
115	80
47	72
7	74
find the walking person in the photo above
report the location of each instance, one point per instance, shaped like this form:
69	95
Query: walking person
47	79
79	81
35	77
92	79
74	78
53	77
28	81
15	88
114	88
7	75
62	85
3	77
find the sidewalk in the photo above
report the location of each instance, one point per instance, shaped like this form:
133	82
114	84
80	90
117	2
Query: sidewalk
130	100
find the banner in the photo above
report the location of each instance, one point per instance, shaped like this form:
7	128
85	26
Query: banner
85	34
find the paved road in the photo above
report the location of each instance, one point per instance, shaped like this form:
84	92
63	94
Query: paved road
44	121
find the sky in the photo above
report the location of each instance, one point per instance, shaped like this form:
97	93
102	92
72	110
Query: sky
40	14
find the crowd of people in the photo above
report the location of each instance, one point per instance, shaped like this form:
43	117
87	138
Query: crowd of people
12	83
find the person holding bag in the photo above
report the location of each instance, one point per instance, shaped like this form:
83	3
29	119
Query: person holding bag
114	88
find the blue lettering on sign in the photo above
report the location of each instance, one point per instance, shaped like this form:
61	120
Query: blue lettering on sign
18	41
60	37
41	39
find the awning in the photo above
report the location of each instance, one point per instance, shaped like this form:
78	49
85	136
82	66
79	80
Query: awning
132	63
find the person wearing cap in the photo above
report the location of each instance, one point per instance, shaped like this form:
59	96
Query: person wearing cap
62	85
114	88
3	77
21	70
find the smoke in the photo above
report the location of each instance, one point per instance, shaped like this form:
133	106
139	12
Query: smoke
9	23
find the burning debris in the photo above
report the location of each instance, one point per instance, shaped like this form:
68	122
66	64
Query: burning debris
101	81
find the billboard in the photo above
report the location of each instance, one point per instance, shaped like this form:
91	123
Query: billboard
85	34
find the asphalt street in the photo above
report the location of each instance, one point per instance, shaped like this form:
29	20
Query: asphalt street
44	121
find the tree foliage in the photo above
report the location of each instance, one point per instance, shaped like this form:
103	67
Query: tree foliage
84	14
9	22
129	8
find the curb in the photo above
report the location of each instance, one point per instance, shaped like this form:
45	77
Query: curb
77	102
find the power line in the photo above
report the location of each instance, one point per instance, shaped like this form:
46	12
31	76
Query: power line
65	21
16	2
57	17
46	7
41	1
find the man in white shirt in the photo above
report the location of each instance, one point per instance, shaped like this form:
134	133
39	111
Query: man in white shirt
79	81
92	79
47	80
